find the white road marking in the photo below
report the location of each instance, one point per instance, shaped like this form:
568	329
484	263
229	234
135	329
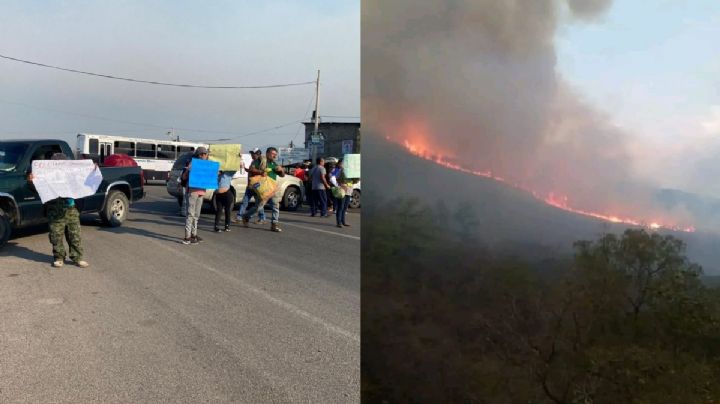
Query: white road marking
320	230
267	296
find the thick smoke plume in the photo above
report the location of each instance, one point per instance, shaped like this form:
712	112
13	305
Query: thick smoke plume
478	81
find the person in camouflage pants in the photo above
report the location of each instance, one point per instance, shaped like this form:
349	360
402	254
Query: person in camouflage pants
64	220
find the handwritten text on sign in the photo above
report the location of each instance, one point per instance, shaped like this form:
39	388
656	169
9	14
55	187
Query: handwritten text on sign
226	155
65	178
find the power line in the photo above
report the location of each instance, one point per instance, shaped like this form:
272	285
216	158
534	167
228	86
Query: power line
102	118
255	133
307	111
107	76
164	127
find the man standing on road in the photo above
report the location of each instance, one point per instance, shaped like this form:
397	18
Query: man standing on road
308	182
64	221
319	188
342	195
271	169
256	154
195	202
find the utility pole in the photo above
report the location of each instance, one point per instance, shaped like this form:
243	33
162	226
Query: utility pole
317	115
171	133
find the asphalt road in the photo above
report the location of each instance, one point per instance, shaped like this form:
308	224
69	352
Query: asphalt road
247	316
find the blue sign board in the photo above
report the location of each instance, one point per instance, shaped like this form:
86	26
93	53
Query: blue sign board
204	174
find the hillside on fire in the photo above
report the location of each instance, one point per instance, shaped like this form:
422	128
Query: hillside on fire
510	221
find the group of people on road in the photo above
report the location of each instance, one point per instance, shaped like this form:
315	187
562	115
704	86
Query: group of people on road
330	190
263	166
322	180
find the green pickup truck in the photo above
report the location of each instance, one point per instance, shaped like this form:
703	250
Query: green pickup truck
20	205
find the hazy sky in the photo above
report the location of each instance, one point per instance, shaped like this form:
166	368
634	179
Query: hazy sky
211	43
654	68
595	105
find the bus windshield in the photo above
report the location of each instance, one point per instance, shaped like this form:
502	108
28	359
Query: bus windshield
10	155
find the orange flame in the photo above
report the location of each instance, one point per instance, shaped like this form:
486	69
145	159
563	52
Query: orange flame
418	148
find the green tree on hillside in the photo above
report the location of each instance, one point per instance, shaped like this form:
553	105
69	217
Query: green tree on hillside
444	321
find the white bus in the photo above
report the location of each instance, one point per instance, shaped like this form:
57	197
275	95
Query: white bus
156	157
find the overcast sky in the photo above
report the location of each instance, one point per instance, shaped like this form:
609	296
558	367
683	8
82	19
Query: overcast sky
210	43
654	68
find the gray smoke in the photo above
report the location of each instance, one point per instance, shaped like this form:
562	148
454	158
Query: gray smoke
481	76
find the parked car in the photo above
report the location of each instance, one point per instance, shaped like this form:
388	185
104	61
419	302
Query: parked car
20	205
289	187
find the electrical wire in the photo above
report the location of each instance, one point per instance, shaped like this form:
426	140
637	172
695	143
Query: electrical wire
159	83
164	127
256	132
307	111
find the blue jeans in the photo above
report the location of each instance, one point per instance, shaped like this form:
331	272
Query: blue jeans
274	205
249	193
341	206
319	200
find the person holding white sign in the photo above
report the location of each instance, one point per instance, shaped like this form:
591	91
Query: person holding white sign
64	221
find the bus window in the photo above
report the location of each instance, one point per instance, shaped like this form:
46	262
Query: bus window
125	148
185	149
146	150
93	146
166	152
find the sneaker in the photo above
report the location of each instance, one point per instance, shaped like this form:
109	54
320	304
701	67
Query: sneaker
235	219
346	225
57	263
186	240
199	239
82	264
194	241
245	221
227	228
339	225
274	227
261	221
217	230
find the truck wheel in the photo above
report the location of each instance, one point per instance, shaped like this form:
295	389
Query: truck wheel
5	228
291	199
355	200
115	210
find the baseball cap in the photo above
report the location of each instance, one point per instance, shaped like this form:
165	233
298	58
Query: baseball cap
255	150
201	150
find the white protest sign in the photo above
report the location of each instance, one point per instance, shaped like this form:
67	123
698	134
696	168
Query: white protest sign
65	178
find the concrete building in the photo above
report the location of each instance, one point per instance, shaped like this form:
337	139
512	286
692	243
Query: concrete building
338	134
